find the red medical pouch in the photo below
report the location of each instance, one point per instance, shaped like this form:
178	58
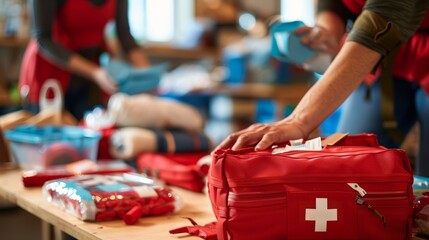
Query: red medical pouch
183	170
36	178
355	189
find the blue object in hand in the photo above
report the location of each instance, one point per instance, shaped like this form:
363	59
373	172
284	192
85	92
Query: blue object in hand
132	80
286	45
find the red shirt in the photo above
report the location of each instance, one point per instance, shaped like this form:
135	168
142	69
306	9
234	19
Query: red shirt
78	25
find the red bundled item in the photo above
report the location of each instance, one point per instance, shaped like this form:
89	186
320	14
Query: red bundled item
104	143
36	178
185	170
127	196
355	189
421	213
99	119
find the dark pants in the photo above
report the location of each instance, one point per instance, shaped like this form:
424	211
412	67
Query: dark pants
81	96
411	105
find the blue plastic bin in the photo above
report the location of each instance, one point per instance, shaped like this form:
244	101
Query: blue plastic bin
38	147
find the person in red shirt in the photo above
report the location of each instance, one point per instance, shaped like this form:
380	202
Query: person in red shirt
379	28
68	37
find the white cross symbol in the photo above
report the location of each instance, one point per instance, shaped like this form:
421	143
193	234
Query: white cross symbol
321	215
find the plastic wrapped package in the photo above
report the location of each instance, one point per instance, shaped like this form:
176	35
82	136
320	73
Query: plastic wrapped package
127	196
420	185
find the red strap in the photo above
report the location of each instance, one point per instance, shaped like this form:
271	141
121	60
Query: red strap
208	231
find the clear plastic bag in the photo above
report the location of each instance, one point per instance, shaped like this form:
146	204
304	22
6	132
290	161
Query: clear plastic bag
126	196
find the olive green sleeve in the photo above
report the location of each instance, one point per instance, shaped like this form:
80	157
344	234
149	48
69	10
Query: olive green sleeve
383	25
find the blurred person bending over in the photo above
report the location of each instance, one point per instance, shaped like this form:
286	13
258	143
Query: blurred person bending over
68	37
382	30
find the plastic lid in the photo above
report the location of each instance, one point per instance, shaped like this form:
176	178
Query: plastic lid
36	135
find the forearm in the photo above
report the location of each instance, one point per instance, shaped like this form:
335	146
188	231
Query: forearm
43	17
351	65
123	27
83	67
133	52
333	23
137	58
93	72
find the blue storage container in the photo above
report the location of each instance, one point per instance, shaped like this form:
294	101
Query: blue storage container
38	147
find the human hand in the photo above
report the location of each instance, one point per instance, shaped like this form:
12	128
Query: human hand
105	81
319	39
263	136
138	58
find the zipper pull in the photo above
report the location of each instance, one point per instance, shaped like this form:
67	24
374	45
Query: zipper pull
360	201
358	189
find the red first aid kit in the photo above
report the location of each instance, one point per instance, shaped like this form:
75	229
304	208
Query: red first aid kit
185	170
355	189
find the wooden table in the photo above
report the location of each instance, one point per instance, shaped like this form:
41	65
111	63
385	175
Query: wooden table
197	206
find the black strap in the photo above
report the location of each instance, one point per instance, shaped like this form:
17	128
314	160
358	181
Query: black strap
387	98
387	36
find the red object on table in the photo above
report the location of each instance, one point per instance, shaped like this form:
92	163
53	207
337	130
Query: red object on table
354	189
133	215
36	178
177	169
127	196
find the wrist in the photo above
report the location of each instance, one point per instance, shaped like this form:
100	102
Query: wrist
300	124
138	58
97	73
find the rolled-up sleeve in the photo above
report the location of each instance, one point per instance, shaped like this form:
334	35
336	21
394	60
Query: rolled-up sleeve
43	16
383	24
123	28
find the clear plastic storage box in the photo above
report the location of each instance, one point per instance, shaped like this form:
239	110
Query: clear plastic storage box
38	147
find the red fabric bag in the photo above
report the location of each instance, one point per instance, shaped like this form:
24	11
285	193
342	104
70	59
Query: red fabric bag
183	170
353	190
36	178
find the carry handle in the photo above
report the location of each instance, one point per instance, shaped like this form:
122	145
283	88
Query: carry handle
54	104
361	139
337	139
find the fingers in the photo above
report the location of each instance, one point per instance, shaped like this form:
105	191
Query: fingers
247	139
313	38
266	141
317	38
263	136
302	30
227	142
110	86
105	82
231	140
256	134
